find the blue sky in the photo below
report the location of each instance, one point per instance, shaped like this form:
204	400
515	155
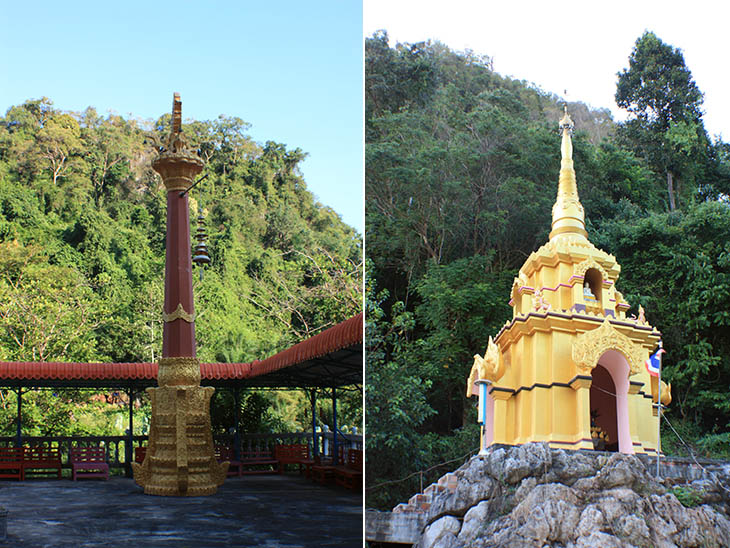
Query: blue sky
292	69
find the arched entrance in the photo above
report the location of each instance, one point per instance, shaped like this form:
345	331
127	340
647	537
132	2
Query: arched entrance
603	410
609	400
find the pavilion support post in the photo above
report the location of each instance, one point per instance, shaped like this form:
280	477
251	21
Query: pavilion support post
237	425
313	400
128	448
19	429
334	426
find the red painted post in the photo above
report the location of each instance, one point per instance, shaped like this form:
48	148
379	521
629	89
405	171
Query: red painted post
178	336
180	458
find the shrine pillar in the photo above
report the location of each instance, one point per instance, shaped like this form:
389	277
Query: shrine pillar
180	458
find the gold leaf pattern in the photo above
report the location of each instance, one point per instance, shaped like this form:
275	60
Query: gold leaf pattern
178	314
590	346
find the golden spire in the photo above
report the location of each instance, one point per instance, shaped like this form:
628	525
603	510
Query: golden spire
568	215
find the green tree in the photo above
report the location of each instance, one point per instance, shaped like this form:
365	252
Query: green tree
459	303
395	392
47	312
658	90
110	144
677	265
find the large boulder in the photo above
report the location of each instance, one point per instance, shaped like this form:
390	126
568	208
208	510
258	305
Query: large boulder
532	495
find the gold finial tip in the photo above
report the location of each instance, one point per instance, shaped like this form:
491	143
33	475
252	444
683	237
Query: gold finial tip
176	143
176	113
566	121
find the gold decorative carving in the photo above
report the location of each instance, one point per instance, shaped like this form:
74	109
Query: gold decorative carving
180	459
490	367
177	164
515	290
473	377
178	371
178	314
641	318
666	391
621	304
565	201
590	346
538	302
581	268
176	141
566	124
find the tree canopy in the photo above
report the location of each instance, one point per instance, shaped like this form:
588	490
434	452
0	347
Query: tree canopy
666	125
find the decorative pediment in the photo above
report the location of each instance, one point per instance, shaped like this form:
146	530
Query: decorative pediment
473	377
581	268
515	290
590	346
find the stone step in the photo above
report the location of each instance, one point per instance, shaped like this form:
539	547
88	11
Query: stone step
421	502
434	489
448	481
419	498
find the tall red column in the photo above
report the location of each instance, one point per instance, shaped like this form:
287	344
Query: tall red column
180	459
178	335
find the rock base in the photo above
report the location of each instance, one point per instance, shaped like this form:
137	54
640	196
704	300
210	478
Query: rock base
532	495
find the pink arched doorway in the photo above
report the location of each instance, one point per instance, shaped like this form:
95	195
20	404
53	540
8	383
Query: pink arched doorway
609	397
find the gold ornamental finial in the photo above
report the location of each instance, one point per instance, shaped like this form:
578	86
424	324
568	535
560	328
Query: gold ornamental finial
176	113
177	164
566	122
176	143
568	214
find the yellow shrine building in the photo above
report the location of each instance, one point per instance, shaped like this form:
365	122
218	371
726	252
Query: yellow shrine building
570	356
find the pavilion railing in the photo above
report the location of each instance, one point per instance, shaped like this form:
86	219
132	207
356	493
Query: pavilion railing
266	442
117	445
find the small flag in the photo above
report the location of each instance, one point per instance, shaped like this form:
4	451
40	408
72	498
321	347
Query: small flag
654	363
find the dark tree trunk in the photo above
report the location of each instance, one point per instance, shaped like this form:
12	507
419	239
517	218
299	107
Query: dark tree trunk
670	191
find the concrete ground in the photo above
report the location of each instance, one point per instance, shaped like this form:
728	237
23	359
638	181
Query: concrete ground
268	511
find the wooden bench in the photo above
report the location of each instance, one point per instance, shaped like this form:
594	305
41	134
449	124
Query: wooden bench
11	463
89	462
350	474
224	453
295	453
256	459
41	460
323	470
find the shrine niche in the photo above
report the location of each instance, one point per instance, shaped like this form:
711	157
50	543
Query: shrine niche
569	366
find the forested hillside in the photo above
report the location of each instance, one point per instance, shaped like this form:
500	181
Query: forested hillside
82	237
461	173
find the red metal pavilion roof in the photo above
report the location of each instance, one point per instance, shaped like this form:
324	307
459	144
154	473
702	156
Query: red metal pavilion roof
331	358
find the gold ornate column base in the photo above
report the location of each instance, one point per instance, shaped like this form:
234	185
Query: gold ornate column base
180	459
